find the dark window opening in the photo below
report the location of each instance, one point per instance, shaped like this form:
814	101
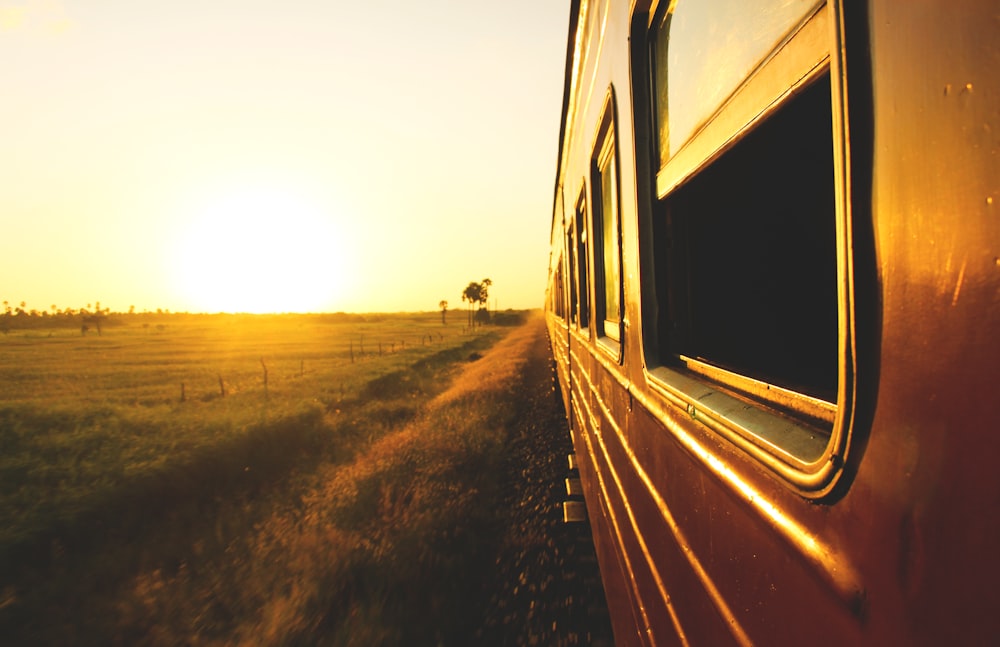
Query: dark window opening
746	254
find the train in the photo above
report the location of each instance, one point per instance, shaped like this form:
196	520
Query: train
773	303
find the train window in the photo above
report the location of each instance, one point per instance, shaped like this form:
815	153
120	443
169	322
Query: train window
701	73
747	233
556	290
571	271
580	254
754	278
606	230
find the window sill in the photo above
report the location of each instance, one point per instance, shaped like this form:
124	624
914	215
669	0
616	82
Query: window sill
610	346
797	443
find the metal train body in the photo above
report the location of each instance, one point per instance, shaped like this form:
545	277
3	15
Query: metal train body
774	308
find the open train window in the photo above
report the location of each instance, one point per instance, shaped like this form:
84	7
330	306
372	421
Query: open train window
751	283
606	230
748	226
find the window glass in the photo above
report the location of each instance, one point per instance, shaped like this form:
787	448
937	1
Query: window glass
557	294
571	272
582	261
704	50
606	222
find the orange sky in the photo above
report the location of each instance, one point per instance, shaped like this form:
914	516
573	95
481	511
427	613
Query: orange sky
224	155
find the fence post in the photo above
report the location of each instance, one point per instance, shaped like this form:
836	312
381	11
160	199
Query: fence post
265	374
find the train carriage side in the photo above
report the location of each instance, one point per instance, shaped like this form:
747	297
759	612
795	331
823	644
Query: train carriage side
773	303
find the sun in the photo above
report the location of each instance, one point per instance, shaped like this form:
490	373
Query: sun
260	249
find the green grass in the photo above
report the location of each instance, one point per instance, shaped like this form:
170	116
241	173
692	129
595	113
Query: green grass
121	503
82	418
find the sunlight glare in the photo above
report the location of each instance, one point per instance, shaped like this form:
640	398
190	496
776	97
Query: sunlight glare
261	249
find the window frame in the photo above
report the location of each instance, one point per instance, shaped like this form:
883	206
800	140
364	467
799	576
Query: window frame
779	427
605	157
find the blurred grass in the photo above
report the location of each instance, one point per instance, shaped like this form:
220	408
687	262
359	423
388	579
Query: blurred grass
295	516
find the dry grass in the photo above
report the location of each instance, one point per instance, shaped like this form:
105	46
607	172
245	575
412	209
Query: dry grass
378	534
382	550
85	419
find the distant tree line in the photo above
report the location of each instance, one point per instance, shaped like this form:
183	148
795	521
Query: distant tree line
92	317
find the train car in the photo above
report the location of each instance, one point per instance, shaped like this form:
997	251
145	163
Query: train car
774	309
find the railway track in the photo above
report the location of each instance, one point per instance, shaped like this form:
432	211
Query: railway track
546	588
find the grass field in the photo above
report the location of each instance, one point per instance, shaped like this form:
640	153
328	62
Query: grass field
145	469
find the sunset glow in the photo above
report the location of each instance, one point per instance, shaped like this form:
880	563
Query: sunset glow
294	156
261	249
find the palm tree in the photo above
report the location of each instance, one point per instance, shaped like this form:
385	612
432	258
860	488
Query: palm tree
444	309
472	293
477	293
484	295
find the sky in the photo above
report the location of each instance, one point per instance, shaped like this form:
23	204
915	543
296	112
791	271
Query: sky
264	156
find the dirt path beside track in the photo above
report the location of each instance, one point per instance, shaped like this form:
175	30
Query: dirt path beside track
546	588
